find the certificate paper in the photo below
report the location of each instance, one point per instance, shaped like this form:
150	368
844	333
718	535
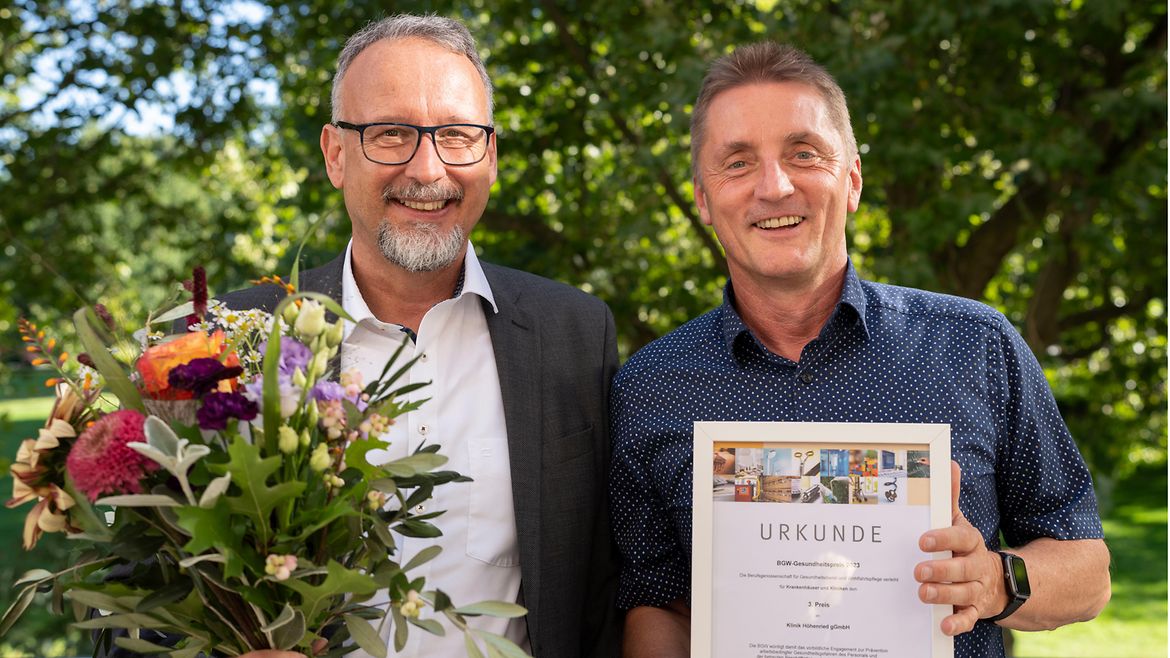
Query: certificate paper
805	538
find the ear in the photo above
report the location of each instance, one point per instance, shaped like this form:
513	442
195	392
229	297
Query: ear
493	141
701	200
855	184
333	149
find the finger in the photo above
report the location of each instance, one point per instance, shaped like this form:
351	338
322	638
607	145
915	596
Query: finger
956	594
955	570
962	538
962	621
956	481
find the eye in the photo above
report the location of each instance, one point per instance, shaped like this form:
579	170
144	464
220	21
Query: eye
737	164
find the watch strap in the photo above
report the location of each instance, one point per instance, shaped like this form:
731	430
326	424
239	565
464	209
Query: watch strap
1015	597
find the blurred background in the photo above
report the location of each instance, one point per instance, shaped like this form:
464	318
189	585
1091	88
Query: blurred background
1013	152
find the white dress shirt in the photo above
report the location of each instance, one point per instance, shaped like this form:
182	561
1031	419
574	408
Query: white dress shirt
465	416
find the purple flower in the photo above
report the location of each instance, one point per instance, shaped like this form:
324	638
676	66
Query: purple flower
290	394
202	375
327	390
293	354
218	407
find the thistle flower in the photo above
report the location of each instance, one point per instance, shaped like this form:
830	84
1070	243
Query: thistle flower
100	463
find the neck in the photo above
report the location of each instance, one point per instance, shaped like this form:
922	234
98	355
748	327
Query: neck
783	318
396	295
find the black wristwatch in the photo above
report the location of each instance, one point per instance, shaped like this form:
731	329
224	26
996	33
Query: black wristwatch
1015	583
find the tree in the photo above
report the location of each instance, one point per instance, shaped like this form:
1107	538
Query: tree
1011	153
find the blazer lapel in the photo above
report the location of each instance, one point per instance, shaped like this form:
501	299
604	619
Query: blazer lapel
516	344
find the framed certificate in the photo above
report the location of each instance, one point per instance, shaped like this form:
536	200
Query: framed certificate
805	538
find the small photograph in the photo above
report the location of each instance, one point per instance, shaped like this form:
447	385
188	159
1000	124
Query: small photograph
812	491
869	464
892	478
778	461
749	462
867	493
838	487
891	486
834	463
918	463
724	462
856	461
807	461
779	488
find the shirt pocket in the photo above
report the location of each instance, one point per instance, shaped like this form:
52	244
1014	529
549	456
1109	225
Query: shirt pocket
491	516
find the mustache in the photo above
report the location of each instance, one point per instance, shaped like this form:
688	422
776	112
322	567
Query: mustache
437	191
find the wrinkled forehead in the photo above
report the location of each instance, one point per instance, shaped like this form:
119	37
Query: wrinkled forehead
768	112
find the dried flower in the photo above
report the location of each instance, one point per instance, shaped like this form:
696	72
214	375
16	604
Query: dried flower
100	463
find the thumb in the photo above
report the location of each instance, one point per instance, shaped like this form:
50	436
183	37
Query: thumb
956	481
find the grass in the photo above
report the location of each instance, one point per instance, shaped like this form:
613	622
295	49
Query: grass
1132	626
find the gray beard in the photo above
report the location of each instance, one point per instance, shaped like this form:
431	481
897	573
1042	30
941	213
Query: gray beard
420	247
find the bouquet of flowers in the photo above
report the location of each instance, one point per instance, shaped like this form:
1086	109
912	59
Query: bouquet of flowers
218	485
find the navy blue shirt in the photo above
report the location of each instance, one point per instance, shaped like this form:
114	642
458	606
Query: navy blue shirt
887	354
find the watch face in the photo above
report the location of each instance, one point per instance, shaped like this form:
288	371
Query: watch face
1019	574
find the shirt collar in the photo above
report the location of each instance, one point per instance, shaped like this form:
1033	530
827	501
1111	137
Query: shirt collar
850	310
473	280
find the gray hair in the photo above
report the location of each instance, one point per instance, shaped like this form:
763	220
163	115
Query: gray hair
446	32
768	61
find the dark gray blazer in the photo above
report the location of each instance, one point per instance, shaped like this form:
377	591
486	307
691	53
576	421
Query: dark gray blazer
556	354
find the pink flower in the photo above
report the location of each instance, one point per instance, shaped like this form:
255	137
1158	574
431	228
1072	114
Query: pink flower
100	463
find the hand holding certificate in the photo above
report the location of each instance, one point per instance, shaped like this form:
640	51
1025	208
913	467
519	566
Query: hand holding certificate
806	539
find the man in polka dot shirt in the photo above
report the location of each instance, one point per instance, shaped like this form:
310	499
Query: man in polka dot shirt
800	337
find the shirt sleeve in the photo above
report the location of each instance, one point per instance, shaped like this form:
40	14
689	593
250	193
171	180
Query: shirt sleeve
1044	487
651	525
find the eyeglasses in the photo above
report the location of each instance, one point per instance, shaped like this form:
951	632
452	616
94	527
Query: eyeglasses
457	144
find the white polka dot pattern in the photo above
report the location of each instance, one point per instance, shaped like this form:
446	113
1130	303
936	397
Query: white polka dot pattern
887	354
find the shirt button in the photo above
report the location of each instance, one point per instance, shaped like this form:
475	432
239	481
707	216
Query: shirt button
423	429
806	377
420	509
424	357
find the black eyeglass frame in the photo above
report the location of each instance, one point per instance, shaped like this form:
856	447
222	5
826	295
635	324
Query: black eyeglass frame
421	130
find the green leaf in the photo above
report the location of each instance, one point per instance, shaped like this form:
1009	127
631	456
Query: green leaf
355	456
180	311
401	629
418	529
139	500
121	620
33	576
469	643
170	593
209	528
140	646
493	609
99	600
14	611
502	644
287	629
420	462
116	379
339	581
429	625
250	473
366	636
422	557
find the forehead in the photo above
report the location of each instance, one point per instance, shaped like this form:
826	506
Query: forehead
413	80
768	113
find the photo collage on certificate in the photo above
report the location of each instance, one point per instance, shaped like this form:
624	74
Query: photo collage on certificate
750	472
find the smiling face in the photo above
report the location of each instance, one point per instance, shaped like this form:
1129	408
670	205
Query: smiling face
416	215
776	180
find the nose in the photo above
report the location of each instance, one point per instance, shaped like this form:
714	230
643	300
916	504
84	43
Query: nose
426	167
773	183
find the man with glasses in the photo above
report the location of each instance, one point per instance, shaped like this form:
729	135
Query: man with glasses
519	366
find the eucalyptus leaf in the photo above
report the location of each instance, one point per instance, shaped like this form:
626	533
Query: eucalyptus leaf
366	636
139	500
176	313
422	557
33	576
503	645
171	593
469	644
493	609
17	608
140	646
121	620
429	625
99	600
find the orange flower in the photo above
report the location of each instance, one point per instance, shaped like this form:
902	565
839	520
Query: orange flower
32	480
156	362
